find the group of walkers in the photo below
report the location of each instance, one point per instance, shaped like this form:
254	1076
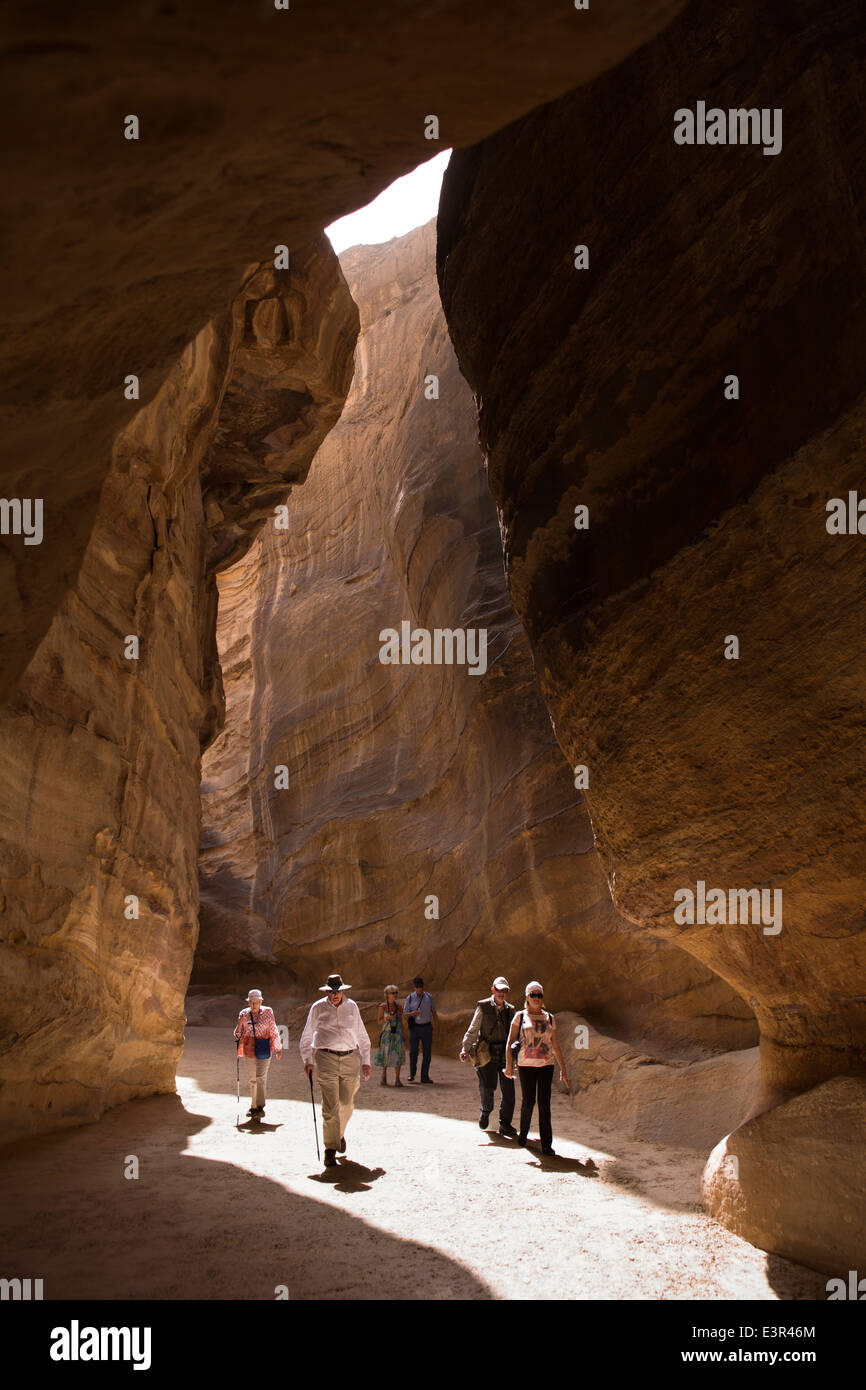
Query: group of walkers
499	1032
419	1014
335	1046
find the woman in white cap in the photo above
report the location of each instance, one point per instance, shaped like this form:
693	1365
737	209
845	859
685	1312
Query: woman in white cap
258	1040
536	1030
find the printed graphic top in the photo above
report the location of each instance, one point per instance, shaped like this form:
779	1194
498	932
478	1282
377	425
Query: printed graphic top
535	1039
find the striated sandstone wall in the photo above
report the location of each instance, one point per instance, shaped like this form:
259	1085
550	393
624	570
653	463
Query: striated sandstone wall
707	515
101	754
256	127
406	781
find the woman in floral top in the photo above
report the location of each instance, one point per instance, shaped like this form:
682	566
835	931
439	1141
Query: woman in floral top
257	1023
538	1047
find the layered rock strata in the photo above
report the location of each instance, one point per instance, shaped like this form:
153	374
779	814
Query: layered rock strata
159	148
406	783
100	810
610	387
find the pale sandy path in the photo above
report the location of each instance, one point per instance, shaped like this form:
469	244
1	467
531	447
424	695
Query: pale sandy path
425	1205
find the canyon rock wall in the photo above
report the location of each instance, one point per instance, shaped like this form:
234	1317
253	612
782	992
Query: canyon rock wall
791	1179
101	752
606	387
688	1103
256	127
407	780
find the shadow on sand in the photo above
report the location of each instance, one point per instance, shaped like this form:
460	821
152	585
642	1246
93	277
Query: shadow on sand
349	1176
193	1227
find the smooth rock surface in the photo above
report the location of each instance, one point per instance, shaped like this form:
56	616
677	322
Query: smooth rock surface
685	1103
778	1178
101	753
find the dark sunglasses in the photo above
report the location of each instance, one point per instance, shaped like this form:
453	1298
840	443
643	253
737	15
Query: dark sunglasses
535	995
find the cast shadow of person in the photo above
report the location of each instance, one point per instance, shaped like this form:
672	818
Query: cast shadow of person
192	1225
257	1127
349	1176
558	1163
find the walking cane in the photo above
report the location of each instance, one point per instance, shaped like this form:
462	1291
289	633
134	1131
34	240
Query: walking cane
315	1128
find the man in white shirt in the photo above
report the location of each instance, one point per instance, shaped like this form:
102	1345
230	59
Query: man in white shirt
335	1041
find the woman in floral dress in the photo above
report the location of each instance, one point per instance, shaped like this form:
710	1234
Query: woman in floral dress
391	1051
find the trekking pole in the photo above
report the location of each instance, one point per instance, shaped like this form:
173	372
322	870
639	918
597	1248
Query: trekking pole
315	1127
238	1074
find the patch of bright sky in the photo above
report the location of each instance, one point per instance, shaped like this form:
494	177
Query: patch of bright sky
408	202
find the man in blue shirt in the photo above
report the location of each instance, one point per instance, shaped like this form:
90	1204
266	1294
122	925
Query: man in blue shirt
420	1010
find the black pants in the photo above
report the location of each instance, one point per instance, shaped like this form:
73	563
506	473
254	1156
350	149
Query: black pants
536	1082
421	1034
488	1075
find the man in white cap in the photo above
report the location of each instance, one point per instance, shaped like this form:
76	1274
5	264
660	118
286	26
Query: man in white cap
335	1041
484	1042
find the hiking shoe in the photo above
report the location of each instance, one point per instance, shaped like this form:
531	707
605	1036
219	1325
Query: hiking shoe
521	1139
549	1153
330	1158
342	1145
427	1081
483	1120
508	1131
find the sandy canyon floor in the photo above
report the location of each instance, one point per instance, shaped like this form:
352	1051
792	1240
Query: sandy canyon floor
423	1206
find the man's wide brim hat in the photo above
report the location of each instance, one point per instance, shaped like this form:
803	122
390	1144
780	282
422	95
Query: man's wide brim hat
334	984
